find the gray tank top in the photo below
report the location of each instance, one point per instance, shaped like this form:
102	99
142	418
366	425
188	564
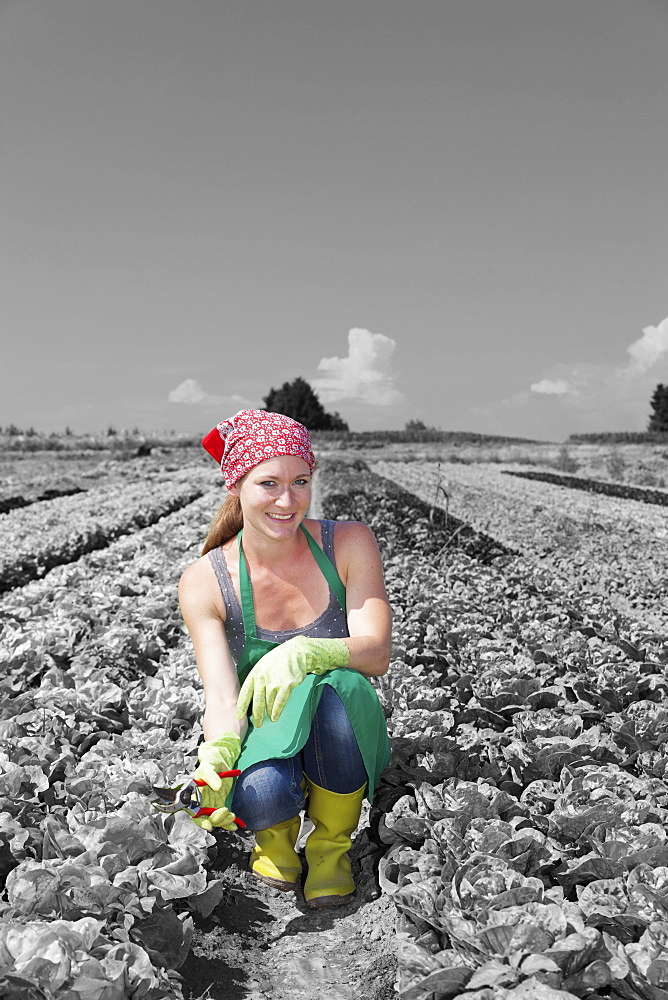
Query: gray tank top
331	624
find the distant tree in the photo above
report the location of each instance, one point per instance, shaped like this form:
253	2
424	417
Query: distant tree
658	420
297	399
415	425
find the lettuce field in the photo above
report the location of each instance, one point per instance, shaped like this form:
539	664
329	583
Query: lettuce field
518	844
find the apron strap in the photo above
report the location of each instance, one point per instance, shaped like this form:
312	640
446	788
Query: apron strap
246	591
328	569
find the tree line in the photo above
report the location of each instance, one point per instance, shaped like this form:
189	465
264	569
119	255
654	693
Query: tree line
297	399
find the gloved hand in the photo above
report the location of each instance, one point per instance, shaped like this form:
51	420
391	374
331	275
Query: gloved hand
220	754
271	680
222	817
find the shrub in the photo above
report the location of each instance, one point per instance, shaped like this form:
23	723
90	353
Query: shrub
615	465
565	461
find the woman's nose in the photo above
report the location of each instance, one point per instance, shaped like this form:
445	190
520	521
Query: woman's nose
285	498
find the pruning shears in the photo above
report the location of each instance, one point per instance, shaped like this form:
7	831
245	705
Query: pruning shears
188	797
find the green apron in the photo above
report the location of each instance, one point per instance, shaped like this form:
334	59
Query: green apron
287	736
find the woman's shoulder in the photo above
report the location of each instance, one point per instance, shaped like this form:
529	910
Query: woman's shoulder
348	526
344	532
353	531
197	570
198	585
353	541
339	526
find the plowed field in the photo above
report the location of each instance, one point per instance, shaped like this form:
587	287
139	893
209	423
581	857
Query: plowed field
517	845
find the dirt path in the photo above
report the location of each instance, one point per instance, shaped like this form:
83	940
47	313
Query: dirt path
260	943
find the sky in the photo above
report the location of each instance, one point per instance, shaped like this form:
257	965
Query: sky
451	211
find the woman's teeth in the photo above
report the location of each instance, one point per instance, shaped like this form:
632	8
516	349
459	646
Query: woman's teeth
281	517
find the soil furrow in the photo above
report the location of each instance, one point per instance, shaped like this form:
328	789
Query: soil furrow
644	495
261	943
33	566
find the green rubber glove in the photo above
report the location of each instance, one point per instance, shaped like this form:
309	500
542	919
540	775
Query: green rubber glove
271	680
217	755
222	817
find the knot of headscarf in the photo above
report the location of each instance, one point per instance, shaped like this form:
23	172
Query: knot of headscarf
252	436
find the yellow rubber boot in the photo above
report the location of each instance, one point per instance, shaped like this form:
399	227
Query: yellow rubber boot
274	859
335	816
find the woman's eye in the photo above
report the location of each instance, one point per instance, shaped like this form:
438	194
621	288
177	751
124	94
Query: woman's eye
271	483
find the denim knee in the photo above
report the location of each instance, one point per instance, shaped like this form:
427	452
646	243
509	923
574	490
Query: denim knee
331	756
268	793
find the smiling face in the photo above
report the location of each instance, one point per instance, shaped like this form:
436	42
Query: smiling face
275	495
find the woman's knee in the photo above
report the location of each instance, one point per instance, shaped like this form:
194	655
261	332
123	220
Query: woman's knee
331	714
269	792
332	756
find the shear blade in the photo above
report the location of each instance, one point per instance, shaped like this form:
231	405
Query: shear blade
173	799
165	794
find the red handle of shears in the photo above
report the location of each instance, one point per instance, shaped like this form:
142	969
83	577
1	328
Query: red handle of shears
207	810
221	774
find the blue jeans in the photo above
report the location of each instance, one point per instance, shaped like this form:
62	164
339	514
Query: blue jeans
270	791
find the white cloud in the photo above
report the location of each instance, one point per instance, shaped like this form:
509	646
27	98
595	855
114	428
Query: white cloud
552	387
189	391
646	351
608	395
623	383
366	375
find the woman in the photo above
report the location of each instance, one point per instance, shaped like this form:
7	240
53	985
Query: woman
288	618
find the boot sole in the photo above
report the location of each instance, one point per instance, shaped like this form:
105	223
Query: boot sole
323	902
275	883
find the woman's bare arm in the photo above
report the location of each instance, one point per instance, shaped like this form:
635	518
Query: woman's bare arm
369	613
212	653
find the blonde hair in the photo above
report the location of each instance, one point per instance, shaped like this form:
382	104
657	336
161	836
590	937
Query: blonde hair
227	523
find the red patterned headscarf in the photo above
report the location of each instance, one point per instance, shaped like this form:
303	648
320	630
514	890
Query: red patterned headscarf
251	437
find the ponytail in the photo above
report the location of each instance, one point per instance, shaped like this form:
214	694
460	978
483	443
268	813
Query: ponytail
227	523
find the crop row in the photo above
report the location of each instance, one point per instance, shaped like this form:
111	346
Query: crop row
347	487
593	543
116	604
644	495
526	807
99	704
11	503
54	532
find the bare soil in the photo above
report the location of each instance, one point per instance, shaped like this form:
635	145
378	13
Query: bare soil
261	943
